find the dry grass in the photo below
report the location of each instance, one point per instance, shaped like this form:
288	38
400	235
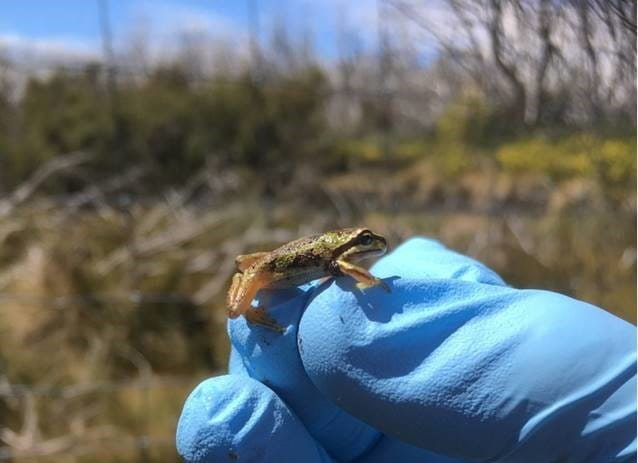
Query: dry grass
109	316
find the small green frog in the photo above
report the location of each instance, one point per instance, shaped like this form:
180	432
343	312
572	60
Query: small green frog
329	254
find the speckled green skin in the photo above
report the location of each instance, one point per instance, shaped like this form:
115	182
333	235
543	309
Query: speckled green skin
314	257
328	254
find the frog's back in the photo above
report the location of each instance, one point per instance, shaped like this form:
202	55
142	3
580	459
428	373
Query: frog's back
301	245
321	246
301	261
296	255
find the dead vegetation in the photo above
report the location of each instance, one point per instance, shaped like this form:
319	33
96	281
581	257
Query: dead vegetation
111	311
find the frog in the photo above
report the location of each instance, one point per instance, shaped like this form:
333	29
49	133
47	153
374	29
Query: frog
322	256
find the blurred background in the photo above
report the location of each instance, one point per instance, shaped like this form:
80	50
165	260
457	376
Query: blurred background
143	145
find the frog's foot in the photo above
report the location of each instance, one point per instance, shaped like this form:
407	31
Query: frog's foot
360	285
258	316
364	278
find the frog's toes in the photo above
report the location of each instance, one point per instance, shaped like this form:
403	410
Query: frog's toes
377	282
385	286
258	316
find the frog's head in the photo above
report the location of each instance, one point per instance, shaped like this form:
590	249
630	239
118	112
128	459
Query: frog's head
359	243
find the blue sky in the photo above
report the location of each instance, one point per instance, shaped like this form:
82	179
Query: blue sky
74	24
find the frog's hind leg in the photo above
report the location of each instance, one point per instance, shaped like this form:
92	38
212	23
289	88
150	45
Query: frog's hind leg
243	290
233	295
258	316
246	260
364	278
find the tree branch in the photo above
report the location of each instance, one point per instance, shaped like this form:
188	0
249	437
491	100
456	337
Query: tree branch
28	188
495	28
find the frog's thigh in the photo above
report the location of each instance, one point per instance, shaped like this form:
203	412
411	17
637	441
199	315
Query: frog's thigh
248	284
234	291
244	261
365	278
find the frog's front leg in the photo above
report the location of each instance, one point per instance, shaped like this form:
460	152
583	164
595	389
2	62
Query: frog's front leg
364	278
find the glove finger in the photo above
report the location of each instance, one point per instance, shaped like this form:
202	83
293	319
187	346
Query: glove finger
232	418
236	364
426	258
384	450
471	370
273	359
390	449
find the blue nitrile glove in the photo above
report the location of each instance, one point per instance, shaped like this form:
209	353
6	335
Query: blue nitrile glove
451	362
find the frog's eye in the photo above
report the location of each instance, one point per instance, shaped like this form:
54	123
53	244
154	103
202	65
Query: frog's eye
365	239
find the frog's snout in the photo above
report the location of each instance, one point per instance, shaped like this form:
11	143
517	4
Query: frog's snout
380	246
384	245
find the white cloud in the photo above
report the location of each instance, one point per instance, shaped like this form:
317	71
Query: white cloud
162	28
164	21
171	18
28	56
65	49
161	31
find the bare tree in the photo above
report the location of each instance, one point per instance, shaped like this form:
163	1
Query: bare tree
617	22
541	61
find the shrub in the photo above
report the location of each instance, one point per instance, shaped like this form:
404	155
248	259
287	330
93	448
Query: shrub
611	161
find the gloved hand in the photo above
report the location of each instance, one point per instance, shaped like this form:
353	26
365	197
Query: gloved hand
452	365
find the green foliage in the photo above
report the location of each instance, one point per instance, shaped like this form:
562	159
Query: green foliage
470	132
154	124
459	140
468	120
174	126
56	116
167	122
617	161
609	160
360	150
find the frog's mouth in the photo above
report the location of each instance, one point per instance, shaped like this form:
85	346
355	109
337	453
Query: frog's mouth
371	252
